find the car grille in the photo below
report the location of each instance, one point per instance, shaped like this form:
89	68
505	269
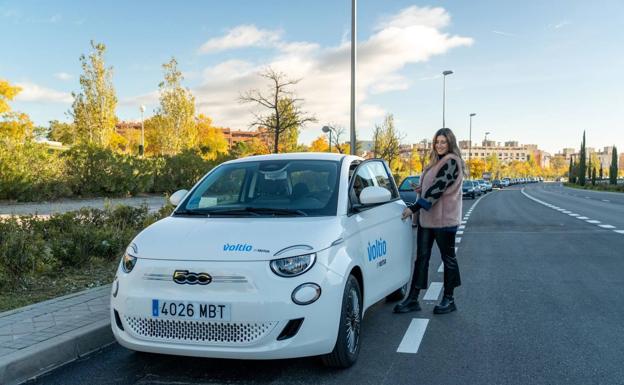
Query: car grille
198	332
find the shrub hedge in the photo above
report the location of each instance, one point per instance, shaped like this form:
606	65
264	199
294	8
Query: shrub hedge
30	245
31	172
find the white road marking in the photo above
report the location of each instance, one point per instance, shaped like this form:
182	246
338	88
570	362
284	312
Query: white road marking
463	222
457	240
607	226
413	336
460	232
567	212
574	215
433	293
619	231
462	226
583	218
593	221
441	268
606	200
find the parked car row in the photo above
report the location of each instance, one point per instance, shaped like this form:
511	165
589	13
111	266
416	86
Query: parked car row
506	182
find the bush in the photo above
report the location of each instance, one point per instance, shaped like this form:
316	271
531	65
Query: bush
31	172
172	173
22	252
99	171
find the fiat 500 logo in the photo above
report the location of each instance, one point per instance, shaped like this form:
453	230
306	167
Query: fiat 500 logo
186	277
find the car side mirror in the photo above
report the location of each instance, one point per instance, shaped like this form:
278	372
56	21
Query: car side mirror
373	195
177	197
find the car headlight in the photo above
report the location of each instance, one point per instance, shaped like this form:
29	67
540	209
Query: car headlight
293	266
128	262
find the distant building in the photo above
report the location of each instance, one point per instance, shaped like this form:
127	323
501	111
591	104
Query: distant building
506	153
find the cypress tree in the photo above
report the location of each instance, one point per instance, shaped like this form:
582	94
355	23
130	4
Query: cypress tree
613	170
601	172
583	163
571	172
593	176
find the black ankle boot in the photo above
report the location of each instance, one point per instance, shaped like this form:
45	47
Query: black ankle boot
410	303
447	305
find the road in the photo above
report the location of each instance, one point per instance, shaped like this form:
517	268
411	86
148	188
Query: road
541	303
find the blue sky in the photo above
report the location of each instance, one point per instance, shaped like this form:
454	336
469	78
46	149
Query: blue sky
534	71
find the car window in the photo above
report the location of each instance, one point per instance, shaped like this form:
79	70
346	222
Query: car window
373	173
405	185
244	188
382	178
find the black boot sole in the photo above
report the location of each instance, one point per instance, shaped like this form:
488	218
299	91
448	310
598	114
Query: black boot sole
398	310
450	308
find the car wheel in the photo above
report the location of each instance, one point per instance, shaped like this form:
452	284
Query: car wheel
473	196
397	295
347	346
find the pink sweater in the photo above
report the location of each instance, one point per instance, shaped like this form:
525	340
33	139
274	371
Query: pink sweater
441	196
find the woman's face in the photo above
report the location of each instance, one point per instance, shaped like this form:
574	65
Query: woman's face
441	145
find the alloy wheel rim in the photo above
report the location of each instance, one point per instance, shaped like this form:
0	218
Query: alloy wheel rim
352	321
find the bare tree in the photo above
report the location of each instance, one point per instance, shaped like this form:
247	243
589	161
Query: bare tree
285	114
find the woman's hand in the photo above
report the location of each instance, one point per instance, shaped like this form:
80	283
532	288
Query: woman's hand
416	187
407	213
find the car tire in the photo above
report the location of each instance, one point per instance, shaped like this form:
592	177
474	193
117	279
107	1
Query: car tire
398	294
473	196
347	346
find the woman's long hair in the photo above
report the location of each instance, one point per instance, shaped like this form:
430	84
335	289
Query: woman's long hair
453	148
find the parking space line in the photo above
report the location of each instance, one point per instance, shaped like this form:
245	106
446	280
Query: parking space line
463	222
460	232
433	293
607	226
592	221
461	227
583	218
413	336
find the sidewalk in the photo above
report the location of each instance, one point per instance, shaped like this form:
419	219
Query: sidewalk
154	202
40	337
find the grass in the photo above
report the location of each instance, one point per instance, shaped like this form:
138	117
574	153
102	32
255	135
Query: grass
95	272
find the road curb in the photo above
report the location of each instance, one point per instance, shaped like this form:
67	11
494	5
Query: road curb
45	356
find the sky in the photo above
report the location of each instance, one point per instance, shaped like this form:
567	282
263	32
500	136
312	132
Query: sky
536	72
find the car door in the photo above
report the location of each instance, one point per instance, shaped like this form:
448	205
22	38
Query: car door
385	241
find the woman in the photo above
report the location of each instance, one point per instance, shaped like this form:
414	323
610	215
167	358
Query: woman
440	205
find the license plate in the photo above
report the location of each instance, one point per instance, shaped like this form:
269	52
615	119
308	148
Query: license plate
191	310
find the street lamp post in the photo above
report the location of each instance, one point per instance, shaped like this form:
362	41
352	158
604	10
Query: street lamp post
142	146
448	72
470	142
353	59
485	142
327	129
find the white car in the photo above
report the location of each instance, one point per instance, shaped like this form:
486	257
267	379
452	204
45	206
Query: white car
273	256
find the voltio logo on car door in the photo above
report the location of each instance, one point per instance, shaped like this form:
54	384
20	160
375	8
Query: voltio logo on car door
376	251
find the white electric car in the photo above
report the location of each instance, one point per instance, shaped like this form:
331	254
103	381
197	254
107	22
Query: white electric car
273	256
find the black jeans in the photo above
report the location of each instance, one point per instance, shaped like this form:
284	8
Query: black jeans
446	243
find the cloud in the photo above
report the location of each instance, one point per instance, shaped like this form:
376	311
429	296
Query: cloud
63	76
504	33
561	24
413	35
35	93
241	37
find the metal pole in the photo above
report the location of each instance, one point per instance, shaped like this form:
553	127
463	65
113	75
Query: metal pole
330	140
142	133
443	99
353	58
469	145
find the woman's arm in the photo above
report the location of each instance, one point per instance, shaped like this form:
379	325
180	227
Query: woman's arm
446	176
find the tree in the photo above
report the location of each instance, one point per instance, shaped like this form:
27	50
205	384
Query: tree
386	140
613	169
593	176
211	141
62	132
582	172
93	109
601	171
7	93
319	144
477	167
284	113
571	172
252	147
177	128
493	166
16	127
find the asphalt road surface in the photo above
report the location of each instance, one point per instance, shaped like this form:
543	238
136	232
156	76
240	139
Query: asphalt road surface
541	303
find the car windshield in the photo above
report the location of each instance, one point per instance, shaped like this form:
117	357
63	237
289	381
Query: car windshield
467	183
267	188
405	185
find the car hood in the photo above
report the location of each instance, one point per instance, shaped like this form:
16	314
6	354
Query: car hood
235	239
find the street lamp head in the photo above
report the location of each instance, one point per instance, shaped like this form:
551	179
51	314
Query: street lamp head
447	72
326	129
142	108
473	114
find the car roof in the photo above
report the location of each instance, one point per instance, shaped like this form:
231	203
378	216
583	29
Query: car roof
297	156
